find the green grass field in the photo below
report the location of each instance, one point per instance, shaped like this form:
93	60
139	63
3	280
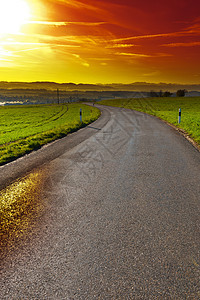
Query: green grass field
26	128
167	109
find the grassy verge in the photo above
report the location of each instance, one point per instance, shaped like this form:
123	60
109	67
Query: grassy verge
27	128
167	109
23	129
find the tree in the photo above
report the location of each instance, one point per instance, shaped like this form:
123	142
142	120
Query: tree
154	94
167	94
181	93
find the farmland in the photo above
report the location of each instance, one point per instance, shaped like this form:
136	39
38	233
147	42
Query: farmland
26	128
167	109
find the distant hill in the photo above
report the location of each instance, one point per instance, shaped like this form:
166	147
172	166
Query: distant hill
136	86
192	94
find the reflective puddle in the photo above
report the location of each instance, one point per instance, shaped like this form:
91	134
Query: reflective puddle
19	202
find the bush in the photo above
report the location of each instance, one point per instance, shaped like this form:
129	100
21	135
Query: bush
181	93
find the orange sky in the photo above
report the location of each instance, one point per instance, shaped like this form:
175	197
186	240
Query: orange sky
97	41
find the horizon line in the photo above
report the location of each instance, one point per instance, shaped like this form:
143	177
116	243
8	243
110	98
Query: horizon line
113	83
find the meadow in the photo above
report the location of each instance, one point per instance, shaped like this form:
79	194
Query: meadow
26	128
167	109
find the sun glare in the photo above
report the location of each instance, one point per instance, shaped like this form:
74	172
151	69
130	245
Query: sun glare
13	14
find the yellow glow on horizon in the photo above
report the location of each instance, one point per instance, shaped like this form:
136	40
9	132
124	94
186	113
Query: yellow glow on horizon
13	14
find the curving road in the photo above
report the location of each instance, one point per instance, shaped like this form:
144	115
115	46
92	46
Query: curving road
119	215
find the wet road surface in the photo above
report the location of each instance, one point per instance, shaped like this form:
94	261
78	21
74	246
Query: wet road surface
118	217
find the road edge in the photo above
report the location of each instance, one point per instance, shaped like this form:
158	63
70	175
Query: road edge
35	159
181	131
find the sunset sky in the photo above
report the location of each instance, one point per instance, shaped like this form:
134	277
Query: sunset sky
100	41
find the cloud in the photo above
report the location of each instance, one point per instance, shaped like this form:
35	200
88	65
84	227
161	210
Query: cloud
133	54
154	73
15	43
5	59
192	30
76	55
25	50
49	40
143	55
101	58
4	52
85	64
149	36
82	61
75	4
121	46
53	23
186	44
195	28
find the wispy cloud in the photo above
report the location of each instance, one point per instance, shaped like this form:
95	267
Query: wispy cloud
143	55
133	54
195	27
189	44
104	64
15	43
25	50
53	23
5	59
190	31
82	61
71	40
4	52
101	58
147	36
78	4
121	46
22	44
154	73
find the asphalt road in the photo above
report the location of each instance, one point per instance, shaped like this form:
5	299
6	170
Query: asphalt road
118	217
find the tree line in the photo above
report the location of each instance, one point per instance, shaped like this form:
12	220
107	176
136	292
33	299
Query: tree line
179	93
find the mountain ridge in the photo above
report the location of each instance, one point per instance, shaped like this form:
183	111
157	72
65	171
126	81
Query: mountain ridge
70	86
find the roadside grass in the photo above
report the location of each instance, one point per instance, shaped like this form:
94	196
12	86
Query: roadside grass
27	128
167	109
